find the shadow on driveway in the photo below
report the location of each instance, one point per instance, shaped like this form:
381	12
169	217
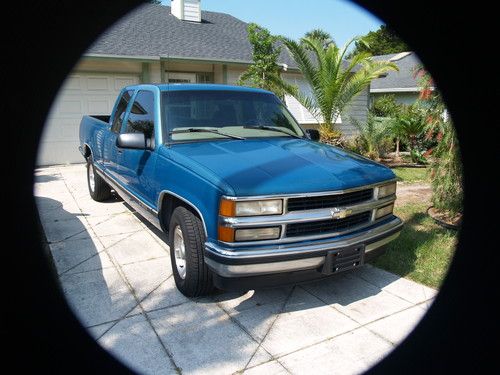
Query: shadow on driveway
115	272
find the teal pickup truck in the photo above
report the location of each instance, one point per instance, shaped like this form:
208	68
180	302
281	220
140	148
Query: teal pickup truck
245	195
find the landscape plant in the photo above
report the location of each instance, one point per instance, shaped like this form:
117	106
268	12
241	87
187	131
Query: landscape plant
408	124
333	80
264	72
446	168
373	136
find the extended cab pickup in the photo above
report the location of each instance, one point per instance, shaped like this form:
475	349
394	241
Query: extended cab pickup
247	198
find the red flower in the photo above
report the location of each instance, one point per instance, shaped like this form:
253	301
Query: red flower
428	135
425	94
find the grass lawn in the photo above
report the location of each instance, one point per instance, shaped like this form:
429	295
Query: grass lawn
424	249
411	175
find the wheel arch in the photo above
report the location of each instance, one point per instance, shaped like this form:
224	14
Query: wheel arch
86	150
168	201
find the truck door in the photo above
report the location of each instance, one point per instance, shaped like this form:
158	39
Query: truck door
110	150
136	167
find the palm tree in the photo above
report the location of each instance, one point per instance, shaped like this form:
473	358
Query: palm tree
372	134
321	35
334	82
408	126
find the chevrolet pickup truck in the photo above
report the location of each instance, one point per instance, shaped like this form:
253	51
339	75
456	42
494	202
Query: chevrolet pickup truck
246	197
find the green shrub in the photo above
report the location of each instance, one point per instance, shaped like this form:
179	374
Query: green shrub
446	172
374	139
446	167
409	125
385	106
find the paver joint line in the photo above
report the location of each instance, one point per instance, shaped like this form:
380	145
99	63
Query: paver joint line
96	254
124	278
270	328
71	185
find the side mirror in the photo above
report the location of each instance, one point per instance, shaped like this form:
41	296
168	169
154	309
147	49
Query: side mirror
132	140
312	134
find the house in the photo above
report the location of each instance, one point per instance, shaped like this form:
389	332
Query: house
156	43
403	84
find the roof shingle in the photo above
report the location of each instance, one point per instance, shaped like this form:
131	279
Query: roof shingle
404	79
151	30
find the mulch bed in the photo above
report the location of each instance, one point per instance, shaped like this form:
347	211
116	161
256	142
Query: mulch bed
444	218
394	164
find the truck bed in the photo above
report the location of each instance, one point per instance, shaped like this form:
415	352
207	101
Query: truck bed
103	118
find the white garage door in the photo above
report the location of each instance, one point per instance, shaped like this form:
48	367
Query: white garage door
82	94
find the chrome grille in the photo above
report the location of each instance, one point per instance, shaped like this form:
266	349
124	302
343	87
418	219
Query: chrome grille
327	226
327	201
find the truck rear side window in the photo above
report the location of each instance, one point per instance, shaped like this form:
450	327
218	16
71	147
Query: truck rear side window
120	111
141	118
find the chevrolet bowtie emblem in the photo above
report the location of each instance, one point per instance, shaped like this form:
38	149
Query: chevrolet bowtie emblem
340	213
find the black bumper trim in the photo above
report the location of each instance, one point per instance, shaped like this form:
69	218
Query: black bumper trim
280	258
240	284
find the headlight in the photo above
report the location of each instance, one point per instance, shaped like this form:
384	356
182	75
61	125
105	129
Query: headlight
384	211
386	190
228	234
251	208
257	234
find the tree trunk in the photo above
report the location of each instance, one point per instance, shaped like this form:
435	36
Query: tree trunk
398	155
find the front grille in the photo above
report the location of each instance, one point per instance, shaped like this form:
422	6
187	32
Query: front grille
327	226
326	201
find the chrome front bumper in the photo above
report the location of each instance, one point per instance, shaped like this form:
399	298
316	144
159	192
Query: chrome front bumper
242	262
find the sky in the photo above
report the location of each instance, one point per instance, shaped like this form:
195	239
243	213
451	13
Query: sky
293	18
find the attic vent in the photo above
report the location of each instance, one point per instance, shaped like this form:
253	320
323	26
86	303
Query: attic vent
186	10
399	56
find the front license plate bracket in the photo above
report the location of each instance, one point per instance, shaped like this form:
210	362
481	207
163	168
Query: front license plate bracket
343	260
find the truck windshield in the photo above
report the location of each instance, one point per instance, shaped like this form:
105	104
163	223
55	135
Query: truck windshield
225	115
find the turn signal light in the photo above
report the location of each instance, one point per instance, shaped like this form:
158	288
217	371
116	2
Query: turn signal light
227	208
226	234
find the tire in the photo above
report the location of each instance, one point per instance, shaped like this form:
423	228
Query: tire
193	278
99	190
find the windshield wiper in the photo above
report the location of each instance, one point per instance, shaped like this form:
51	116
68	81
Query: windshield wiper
265	127
204	130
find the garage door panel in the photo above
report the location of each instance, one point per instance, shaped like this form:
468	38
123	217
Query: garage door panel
99	106
50	151
81	94
69	107
121	82
98	83
73	82
62	130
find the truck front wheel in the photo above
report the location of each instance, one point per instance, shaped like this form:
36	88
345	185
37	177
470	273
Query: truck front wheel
99	190
186	240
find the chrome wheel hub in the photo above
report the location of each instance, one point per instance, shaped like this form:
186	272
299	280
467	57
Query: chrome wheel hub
179	252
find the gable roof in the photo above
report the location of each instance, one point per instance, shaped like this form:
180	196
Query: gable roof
151	31
402	81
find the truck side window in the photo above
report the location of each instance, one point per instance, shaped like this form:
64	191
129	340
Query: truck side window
141	117
120	111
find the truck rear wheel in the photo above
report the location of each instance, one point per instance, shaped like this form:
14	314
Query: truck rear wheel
186	240
98	188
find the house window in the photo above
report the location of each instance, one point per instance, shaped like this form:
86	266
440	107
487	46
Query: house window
180	77
204	78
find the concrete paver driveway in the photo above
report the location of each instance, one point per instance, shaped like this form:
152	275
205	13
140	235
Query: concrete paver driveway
115	272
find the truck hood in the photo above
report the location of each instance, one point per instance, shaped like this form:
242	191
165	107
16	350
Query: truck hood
279	165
